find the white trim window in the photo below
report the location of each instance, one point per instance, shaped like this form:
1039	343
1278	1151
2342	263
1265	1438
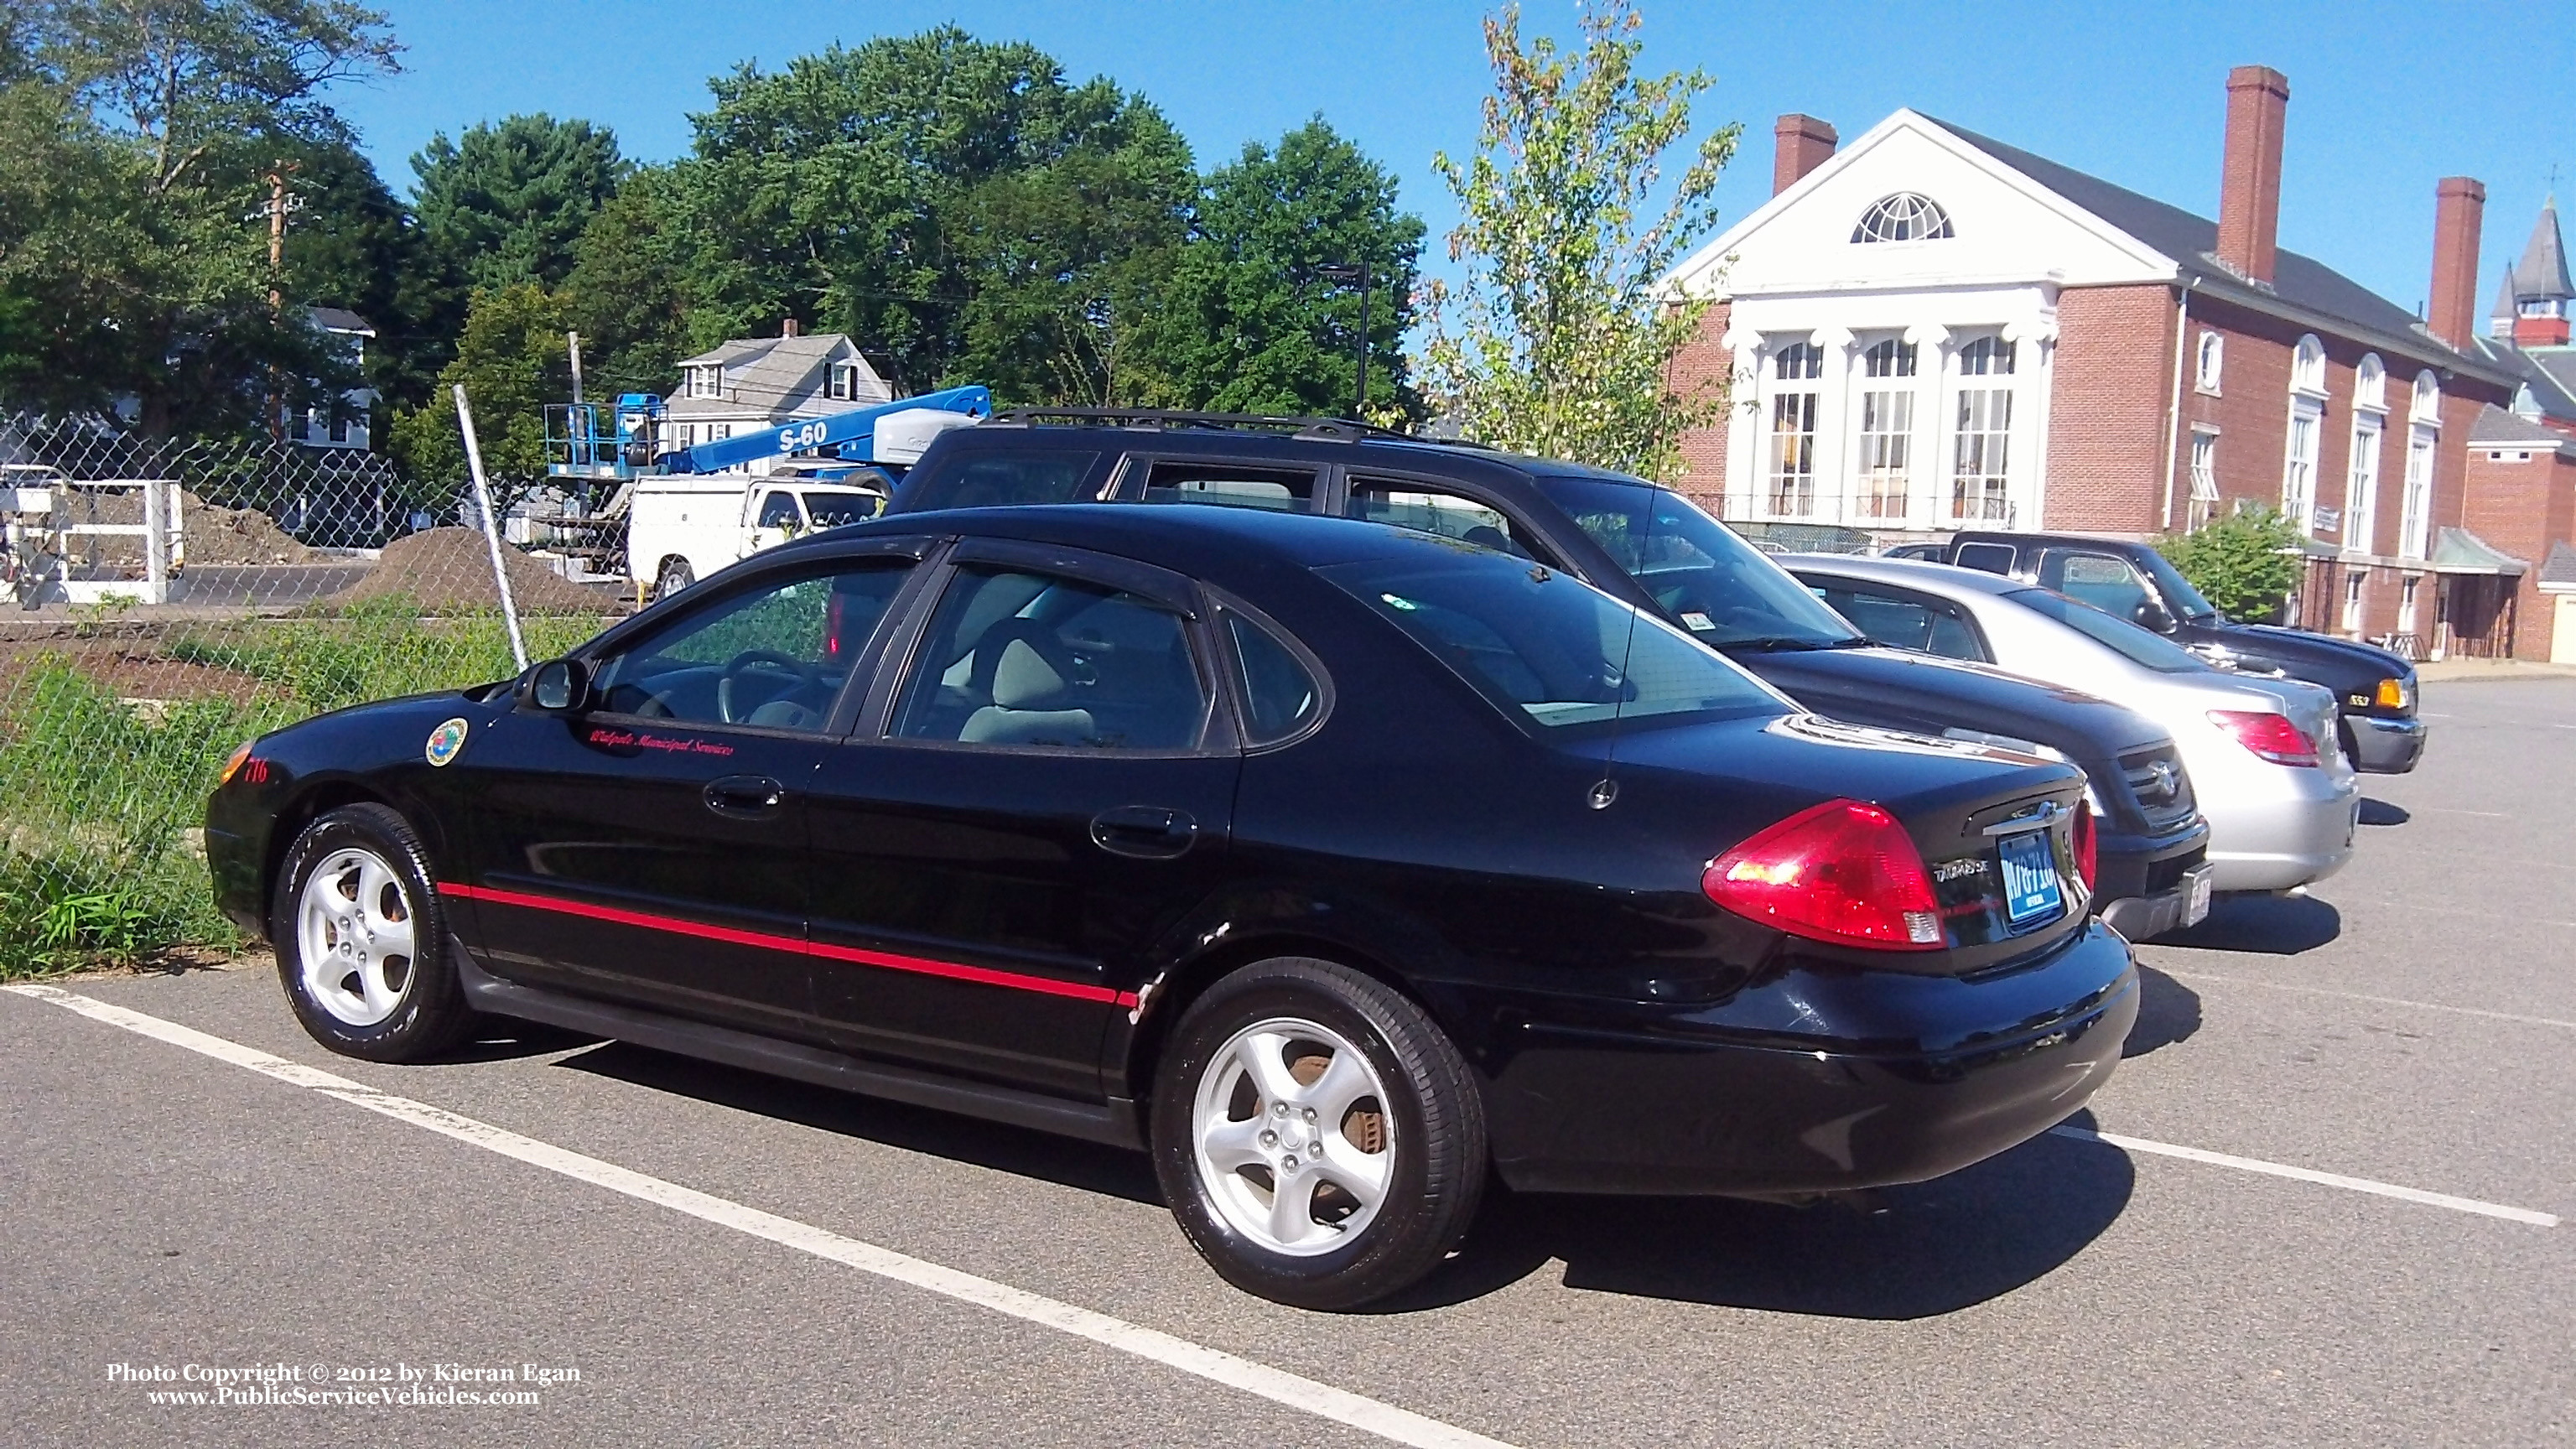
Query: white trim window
2406	603
1904	217
2209	361
2354	581
2370	383
2204	480
2415	507
1887	429
845	382
2361	489
706	381
1981	459
2308	367
2299	465
2426	406
1792	473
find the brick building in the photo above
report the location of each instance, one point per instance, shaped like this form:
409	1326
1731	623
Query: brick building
1931	330
2522	456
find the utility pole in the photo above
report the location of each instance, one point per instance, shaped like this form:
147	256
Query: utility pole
1348	272
277	285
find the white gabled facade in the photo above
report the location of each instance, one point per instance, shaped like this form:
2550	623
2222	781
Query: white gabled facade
1900	383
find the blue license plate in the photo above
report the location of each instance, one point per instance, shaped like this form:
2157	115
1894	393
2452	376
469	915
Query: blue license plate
2030	879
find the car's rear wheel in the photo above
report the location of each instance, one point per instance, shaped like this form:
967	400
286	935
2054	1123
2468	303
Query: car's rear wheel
362	940
1318	1137
675	576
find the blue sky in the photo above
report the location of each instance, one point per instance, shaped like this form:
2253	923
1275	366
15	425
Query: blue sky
2384	98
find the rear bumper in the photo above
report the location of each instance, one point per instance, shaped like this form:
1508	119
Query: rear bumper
2296	837
1879	1078
2142	918
2385	746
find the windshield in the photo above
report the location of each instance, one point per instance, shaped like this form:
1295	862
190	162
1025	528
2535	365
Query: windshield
2138	646
833	509
2177	588
1713	582
1546	647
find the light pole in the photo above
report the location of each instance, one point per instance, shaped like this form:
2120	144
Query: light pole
1346	272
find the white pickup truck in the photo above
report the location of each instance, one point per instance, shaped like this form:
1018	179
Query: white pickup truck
681	527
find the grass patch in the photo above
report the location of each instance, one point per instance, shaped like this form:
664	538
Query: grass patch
99	800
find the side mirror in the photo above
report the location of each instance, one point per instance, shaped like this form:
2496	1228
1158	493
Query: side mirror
559	686
2152	615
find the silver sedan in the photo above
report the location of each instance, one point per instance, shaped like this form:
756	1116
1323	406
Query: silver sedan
2282	802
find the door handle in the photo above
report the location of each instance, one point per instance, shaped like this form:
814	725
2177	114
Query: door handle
741	795
1145	832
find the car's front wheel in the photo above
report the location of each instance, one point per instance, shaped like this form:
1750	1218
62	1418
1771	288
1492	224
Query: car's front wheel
1317	1135
361	940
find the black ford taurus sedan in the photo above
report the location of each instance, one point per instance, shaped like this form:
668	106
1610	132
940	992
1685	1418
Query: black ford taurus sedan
1332	863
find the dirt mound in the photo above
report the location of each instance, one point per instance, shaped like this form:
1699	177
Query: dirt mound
449	570
212	534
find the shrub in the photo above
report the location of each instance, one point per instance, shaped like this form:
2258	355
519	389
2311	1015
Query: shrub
2245	563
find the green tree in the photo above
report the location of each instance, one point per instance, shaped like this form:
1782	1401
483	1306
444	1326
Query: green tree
2246	563
351	243
1561	337
134	143
503	205
958	206
511	359
631	290
1249	321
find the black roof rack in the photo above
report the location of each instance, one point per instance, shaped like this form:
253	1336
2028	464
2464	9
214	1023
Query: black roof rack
1341	430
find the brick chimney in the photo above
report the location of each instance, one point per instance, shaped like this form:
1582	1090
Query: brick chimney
2459	210
788	328
2249	190
1799	144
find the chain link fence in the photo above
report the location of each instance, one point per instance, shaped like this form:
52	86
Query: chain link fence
163	600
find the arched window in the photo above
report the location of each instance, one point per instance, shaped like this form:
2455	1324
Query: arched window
2308	366
2427	407
2370	383
1906	216
2211	360
1892	358
1986	357
1799	361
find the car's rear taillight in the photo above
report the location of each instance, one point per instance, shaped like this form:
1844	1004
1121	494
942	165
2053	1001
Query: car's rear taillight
1843	871
2271	736
2087	852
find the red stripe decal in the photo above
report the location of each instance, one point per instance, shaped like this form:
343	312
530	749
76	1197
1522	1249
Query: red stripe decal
920	965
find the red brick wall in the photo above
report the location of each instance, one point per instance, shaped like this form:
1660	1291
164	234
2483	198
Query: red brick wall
1704	368
2107	409
2523	508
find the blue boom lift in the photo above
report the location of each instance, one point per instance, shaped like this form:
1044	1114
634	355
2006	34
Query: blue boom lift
629	445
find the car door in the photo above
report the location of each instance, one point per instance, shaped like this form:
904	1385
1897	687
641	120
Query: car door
1022	816
1437	506
773	520
653	848
1272	485
2103	579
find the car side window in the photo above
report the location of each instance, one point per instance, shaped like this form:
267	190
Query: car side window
1407	503
1002	479
1018	657
778	510
2105	581
775	654
1993	558
1280	695
1230	484
1905	620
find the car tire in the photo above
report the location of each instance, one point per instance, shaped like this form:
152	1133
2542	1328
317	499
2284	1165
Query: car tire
675	576
362	944
1252	1092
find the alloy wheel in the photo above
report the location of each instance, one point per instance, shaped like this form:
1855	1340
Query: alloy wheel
354	928
1294	1144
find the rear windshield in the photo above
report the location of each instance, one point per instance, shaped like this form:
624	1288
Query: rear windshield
999	478
2137	645
1721	588
1547	648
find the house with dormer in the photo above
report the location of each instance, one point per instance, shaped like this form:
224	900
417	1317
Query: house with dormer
1930	330
752	383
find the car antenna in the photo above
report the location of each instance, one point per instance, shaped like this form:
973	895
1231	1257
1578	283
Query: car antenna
1606	789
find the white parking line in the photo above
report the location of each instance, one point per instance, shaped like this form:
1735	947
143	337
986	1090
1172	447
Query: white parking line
2305	1174
2375	1000
1277	1385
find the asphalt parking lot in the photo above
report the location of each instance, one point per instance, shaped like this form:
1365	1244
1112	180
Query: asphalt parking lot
2373	1089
